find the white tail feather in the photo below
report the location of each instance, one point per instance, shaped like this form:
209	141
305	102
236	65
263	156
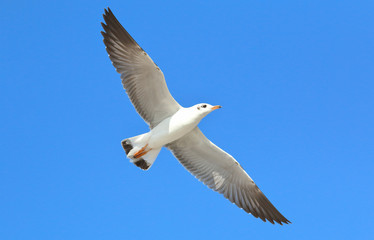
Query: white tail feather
134	144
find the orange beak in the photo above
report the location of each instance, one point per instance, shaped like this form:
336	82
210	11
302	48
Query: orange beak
216	107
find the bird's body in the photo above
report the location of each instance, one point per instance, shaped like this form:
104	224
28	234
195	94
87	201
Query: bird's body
148	145
176	127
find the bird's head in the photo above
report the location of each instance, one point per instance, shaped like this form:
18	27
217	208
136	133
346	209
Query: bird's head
203	109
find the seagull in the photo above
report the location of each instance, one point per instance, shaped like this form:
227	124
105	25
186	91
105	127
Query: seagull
175	127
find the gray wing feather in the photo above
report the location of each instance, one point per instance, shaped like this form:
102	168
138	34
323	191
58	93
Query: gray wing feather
222	173
141	77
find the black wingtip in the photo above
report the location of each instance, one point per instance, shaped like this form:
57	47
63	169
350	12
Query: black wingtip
102	33
107	11
283	221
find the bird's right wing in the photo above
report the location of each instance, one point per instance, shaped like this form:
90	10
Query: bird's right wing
141	77
222	173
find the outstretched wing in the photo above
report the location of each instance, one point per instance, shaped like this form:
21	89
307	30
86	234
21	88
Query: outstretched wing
141	77
222	173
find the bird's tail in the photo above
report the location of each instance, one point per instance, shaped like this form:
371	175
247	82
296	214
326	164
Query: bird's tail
136	149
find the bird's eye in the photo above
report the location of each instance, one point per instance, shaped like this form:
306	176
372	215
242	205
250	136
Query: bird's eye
198	108
203	106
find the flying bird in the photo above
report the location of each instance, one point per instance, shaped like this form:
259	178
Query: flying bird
175	127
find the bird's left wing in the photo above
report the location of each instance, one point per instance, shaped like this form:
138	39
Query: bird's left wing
222	173
141	77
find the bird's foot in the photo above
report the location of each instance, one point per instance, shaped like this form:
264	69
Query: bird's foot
142	152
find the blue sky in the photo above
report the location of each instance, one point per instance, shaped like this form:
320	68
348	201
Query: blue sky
295	79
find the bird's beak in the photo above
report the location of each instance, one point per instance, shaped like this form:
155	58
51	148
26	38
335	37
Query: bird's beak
216	107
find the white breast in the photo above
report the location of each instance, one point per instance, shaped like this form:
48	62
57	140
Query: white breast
173	128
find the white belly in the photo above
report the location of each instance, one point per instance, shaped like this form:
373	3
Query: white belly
171	129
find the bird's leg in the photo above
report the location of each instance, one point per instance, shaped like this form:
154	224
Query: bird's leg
142	152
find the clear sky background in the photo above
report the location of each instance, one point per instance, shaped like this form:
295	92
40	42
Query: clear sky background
295	79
